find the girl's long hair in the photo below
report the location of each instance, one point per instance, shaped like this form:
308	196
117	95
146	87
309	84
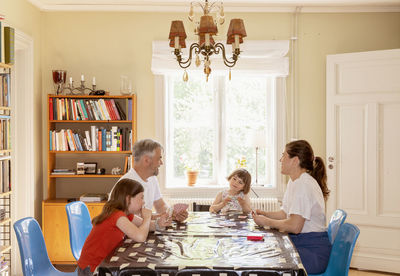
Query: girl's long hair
125	187
315	166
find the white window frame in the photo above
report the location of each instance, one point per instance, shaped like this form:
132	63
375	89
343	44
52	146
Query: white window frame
162	124
262	57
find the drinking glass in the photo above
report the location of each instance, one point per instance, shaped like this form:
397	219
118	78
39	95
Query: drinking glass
59	77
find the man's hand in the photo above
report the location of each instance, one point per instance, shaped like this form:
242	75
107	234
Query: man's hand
164	220
260	219
181	216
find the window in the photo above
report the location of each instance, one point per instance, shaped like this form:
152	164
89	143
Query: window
208	127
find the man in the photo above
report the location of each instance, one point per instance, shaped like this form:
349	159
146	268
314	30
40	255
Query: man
147	155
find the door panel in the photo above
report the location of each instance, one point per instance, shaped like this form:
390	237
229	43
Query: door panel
363	151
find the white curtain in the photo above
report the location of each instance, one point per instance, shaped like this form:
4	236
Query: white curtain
257	56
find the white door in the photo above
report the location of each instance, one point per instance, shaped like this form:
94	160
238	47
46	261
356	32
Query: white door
363	152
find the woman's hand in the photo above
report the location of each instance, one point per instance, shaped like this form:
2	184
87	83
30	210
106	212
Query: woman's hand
260	219
260	212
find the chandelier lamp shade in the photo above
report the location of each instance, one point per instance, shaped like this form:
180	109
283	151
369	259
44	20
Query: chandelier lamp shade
206	46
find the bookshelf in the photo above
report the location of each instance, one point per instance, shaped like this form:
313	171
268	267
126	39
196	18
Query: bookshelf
79	130
5	167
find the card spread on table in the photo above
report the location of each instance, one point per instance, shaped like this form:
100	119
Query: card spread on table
121	249
124	265
180	207
114	259
133	254
136	245
141	260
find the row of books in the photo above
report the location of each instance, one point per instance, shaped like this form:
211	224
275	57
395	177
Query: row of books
5	137
5	176
63	171
5	89
97	139
91	197
84	109
7	43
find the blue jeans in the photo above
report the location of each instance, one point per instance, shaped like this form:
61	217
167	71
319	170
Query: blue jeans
314	249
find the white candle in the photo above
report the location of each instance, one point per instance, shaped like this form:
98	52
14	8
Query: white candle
70	80
94	81
237	42
82	77
207	39
177	46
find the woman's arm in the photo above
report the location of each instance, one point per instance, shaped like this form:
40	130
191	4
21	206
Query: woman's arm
218	203
273	215
245	203
137	233
294	224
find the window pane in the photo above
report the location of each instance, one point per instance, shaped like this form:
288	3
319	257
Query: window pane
192	121
246	112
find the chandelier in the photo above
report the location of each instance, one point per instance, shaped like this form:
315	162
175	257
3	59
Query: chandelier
205	29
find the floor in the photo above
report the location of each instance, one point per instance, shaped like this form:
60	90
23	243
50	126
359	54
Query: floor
352	272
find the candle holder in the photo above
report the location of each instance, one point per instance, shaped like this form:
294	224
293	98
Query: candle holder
79	90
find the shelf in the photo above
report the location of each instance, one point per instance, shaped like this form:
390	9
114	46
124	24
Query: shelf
92	121
85	175
4	221
4	248
90	152
90	97
5	194
3	65
5	108
5	151
7	157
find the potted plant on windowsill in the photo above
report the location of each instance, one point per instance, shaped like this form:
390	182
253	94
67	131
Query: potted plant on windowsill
191	165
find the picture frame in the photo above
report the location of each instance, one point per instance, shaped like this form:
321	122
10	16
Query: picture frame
90	168
80	168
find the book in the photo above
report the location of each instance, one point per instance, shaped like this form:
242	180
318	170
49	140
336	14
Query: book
9	48
92	197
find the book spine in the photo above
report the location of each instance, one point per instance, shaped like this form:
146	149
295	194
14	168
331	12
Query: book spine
9	42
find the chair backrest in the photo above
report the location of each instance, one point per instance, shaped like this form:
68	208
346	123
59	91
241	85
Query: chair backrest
200	207
79	225
32	248
337	219
342	250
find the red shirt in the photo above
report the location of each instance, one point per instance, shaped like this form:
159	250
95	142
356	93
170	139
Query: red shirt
101	241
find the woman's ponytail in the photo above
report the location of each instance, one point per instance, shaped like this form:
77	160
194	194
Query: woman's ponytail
319	173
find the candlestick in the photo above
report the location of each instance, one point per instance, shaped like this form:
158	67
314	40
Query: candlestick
94	81
82	77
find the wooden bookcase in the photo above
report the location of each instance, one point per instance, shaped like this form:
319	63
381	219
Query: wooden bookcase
5	165
62	187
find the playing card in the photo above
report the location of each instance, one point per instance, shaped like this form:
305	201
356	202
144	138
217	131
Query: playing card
180	207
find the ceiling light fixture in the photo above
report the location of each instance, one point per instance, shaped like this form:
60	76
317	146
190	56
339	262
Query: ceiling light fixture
206	28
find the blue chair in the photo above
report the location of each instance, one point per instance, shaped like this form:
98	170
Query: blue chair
342	250
337	219
32	248
79	225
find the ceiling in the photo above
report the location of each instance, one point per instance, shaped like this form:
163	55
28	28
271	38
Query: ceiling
229	5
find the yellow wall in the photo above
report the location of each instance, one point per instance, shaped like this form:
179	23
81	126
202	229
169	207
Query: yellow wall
110	44
25	17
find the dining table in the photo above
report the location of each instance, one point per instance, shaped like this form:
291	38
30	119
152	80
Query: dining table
207	242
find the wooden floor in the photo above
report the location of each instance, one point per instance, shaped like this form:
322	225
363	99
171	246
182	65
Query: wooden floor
352	272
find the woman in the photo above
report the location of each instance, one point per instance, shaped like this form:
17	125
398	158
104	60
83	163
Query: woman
303	206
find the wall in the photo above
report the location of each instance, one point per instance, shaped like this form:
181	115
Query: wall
110	44
26	18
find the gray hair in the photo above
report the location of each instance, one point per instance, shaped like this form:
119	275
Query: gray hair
145	147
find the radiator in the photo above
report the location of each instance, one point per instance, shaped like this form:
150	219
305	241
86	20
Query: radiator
268	204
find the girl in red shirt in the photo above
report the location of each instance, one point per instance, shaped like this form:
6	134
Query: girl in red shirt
114	222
